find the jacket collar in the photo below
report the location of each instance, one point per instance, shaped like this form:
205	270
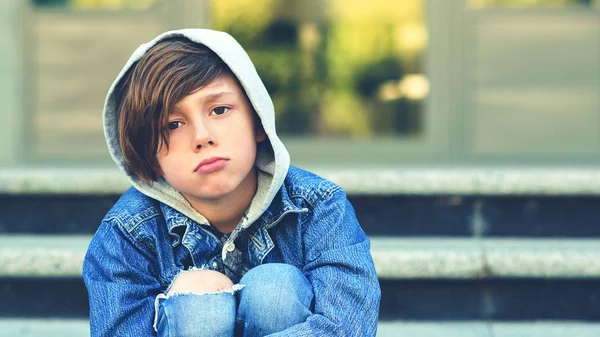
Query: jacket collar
281	205
173	218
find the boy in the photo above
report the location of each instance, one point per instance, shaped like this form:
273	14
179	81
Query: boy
219	234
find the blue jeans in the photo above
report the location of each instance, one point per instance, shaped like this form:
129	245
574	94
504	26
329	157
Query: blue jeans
275	296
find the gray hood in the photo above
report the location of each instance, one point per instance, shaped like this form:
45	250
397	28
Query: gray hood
272	165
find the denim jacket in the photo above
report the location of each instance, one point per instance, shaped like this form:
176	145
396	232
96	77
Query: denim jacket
153	233
310	224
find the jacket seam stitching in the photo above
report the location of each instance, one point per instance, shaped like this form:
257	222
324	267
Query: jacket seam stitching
130	237
327	195
115	219
139	222
331	191
129	231
304	198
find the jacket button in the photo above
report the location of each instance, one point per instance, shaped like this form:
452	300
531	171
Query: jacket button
230	247
215	265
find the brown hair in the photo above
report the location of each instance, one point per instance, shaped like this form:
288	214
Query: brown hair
169	71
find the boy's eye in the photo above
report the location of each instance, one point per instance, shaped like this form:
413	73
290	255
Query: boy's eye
220	110
173	125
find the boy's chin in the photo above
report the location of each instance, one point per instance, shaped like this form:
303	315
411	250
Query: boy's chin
209	194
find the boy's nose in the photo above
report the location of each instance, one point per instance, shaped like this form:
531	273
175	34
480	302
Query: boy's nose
202	136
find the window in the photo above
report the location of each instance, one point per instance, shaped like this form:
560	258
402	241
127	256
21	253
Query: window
336	68
86	5
347	77
373	83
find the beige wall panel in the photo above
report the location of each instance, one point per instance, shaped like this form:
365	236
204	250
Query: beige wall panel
535	84
76	58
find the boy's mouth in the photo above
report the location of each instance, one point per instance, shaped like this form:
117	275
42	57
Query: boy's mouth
211	164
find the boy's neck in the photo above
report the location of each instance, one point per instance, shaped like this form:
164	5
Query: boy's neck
225	213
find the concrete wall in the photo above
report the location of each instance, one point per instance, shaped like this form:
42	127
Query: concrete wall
12	96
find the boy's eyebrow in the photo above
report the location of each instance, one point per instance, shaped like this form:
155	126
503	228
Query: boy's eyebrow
216	96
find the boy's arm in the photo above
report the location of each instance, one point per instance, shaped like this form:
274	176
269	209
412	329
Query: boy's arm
340	268
118	275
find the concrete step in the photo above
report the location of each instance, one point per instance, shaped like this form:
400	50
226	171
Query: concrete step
468	180
482	329
32	327
382	215
33	256
80	328
379	215
421	278
488	202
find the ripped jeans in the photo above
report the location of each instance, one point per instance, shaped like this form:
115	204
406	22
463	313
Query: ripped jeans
274	297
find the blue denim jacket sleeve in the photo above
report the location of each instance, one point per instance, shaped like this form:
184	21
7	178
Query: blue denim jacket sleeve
340	267
118	275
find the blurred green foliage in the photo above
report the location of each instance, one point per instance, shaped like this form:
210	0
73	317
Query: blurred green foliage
325	72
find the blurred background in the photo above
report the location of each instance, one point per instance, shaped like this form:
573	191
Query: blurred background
466	134
376	83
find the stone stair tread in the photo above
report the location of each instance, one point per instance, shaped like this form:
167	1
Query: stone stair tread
468	180
455	258
37	327
488	329
395	258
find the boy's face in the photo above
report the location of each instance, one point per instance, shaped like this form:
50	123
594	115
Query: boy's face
212	144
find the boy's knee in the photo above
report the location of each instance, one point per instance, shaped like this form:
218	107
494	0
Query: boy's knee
200	282
274	297
276	283
277	274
